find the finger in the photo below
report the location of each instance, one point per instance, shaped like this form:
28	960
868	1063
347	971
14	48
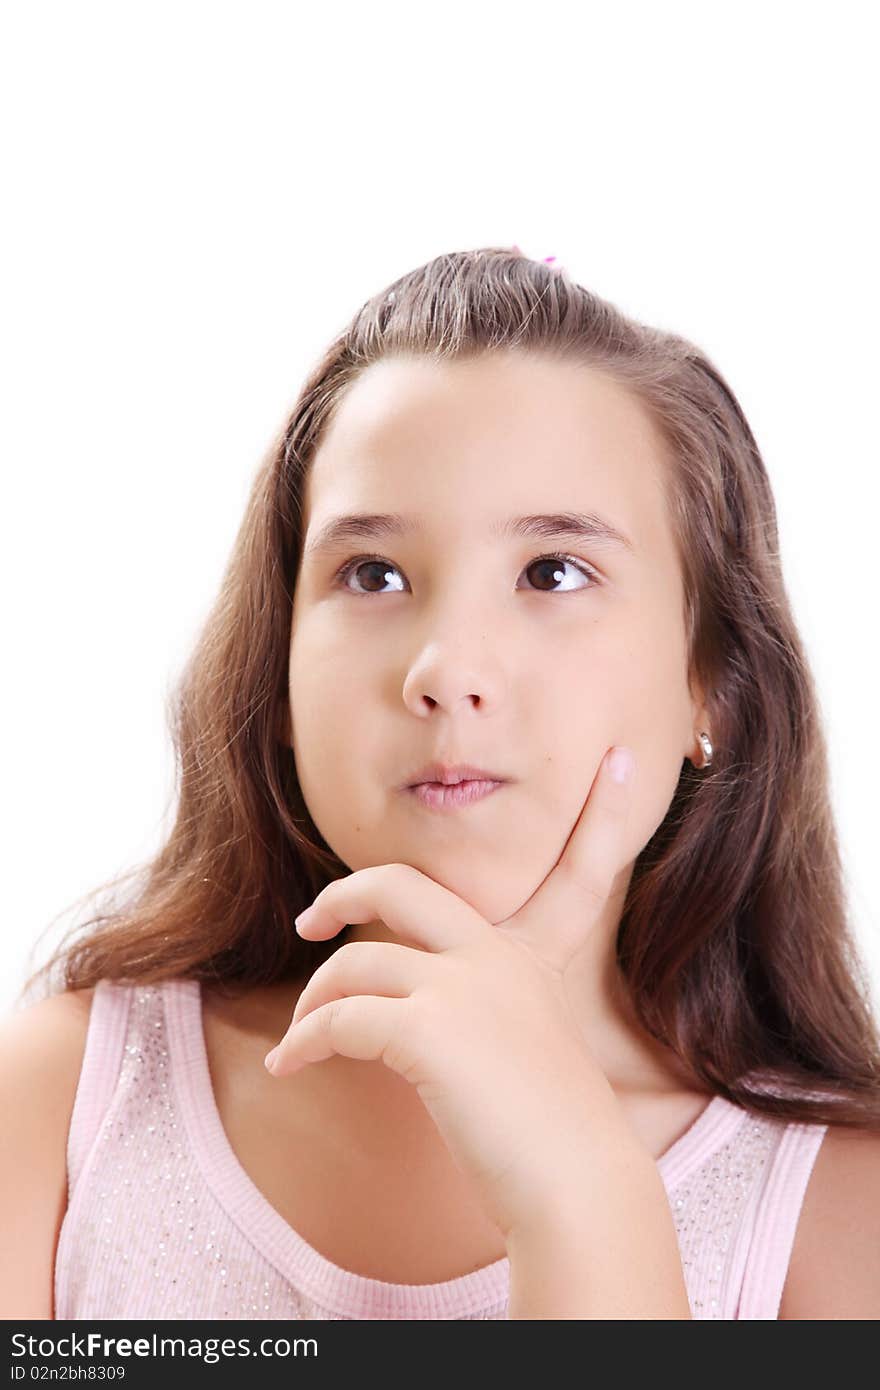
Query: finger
412	906
576	890
364	967
363	1027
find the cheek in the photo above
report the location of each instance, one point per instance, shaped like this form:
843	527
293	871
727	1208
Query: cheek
638	668
330	743
326	682
642	700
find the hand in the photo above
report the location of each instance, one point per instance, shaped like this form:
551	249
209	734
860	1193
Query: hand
475	1014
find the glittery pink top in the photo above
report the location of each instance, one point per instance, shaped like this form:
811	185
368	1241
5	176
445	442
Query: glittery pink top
164	1223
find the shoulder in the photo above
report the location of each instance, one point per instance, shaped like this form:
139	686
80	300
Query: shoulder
41	1027
41	1053
834	1271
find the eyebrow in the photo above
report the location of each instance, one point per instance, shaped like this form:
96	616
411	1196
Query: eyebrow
576	526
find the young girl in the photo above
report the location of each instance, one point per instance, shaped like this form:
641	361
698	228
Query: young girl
503	685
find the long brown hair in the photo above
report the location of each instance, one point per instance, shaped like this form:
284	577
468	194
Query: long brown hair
735	941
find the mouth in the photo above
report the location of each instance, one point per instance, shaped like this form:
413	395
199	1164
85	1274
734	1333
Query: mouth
450	774
440	796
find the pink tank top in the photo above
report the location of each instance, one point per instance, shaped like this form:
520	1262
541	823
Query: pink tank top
163	1222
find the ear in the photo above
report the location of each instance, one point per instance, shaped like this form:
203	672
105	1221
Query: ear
701	722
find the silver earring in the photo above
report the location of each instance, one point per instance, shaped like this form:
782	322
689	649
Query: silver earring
707	750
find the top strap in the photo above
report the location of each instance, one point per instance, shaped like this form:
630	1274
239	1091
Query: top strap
99	1073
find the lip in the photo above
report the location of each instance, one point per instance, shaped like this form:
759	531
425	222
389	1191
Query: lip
438	796
447	774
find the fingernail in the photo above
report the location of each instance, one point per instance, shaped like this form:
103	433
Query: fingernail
620	764
269	1059
306	917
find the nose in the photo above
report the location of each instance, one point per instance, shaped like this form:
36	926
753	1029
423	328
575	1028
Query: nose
447	678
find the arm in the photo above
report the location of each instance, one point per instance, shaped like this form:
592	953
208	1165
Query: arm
601	1245
41	1052
834	1271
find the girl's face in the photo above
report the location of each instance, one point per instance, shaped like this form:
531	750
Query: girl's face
466	645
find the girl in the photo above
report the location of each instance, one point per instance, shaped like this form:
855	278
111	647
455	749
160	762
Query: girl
503	686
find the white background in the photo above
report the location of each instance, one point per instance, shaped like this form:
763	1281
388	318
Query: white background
198	197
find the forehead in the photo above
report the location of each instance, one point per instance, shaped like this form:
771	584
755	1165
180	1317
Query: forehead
467	442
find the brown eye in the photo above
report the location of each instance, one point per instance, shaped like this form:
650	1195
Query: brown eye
380	569
549	570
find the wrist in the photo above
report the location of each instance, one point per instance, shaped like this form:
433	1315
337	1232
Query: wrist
561	1204
603	1246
